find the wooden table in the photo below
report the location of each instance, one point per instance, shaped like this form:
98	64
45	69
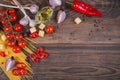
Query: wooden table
88	51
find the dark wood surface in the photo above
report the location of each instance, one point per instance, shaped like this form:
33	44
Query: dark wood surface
88	51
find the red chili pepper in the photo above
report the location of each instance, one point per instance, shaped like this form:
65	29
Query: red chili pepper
84	8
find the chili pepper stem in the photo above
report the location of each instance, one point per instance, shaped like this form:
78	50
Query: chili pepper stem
68	2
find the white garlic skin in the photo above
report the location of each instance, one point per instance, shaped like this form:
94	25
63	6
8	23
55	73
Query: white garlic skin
32	23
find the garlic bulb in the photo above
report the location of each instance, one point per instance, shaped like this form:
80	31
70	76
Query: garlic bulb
34	8
55	3
32	23
24	21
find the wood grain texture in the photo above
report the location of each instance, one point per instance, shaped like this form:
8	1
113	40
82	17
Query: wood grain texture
88	51
78	62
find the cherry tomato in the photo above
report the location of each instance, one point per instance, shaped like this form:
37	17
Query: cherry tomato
4	15
11	43
16	72
19	36
16	49
40	49
35	58
21	65
10	35
11	11
33	35
44	55
49	30
2	54
5	22
8	28
19	72
23	72
2	10
22	43
13	17
18	27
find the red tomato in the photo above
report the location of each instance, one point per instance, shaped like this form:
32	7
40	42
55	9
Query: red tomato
16	49
8	28
4	15
33	35
10	35
13	17
11	43
23	72
2	10
18	27
2	54
19	36
11	11
5	22
16	72
49	30
21	65
19	72
22	43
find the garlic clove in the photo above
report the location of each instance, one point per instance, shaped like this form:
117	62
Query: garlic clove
32	23
10	63
34	8
24	21
55	3
61	16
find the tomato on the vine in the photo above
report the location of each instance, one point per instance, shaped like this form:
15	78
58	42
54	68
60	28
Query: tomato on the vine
4	15
11	43
13	17
7	28
16	49
5	22
2	10
18	27
10	35
11	11
22	43
49	29
33	35
19	36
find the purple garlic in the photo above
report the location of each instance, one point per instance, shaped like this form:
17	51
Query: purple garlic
61	16
10	63
24	21
55	3
34	8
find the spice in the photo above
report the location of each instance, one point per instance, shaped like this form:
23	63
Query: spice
84	8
